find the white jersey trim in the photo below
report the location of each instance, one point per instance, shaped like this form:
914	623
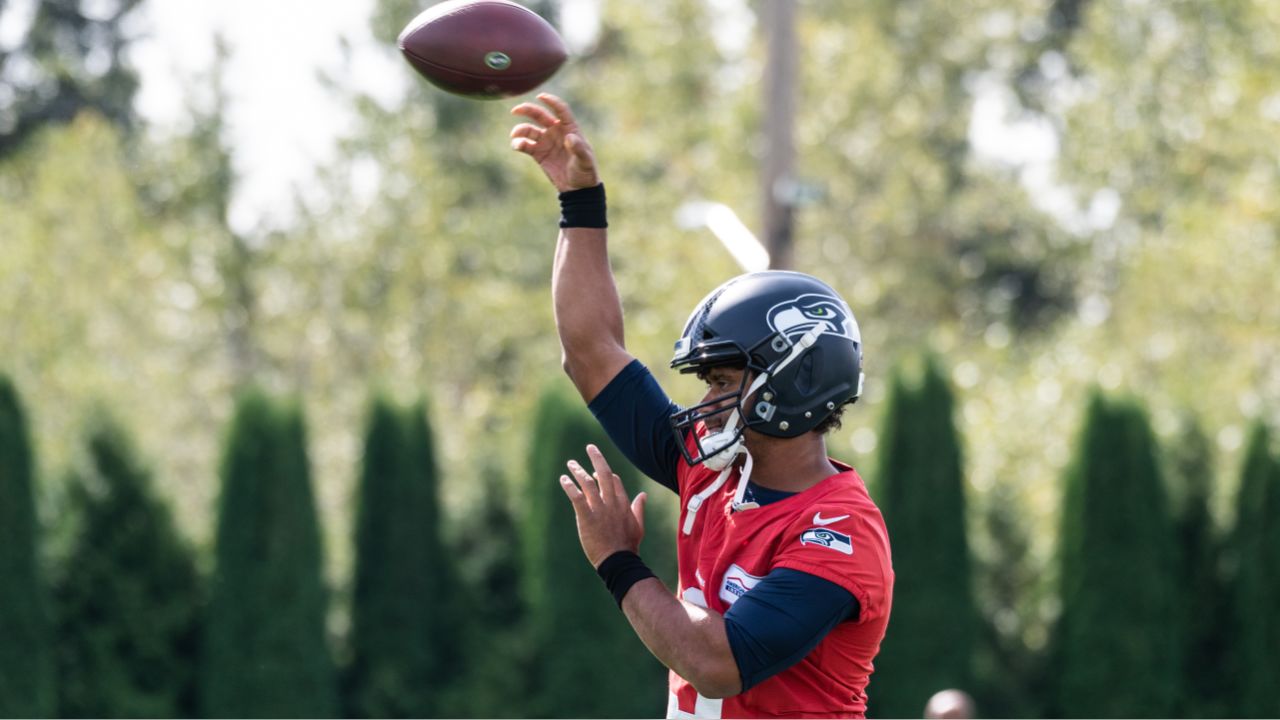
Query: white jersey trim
703	708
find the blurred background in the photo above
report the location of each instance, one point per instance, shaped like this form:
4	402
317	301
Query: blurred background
280	400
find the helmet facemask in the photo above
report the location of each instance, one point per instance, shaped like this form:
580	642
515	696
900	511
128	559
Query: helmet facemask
717	450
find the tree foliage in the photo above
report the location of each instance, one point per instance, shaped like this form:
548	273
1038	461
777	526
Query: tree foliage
1200	573
26	647
73	57
102	288
1119	628
492	570
265	643
921	489
406	637
128	598
580	639
1255	554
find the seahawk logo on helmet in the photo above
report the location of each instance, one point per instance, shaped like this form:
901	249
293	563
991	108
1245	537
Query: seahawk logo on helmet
794	318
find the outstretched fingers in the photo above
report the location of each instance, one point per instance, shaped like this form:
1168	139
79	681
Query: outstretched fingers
637	510
536	113
527	130
590	488
576	498
525	137
560	107
609	480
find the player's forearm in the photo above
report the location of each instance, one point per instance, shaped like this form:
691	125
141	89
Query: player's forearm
588	311
686	638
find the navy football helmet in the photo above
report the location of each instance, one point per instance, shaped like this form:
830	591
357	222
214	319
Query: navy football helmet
798	341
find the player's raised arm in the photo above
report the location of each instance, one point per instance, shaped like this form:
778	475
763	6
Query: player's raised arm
587	309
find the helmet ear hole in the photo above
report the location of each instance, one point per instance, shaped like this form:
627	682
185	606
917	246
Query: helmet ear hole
809	372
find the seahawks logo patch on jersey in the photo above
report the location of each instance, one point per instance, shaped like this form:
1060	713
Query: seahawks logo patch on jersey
829	538
794	318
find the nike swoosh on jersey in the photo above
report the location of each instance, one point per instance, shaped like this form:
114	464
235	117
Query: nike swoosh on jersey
819	520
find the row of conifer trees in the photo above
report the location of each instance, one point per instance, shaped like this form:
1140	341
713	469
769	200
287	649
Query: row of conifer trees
1161	614
503	618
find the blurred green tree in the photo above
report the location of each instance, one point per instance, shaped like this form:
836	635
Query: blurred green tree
1255	559
921	489
492	572
128	597
1205	604
406	632
586	660
1164	110
265	645
97	302
913	222
1010	678
26	648
74	56
1119	641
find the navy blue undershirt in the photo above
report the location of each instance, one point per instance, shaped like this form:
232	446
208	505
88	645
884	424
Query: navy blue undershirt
781	619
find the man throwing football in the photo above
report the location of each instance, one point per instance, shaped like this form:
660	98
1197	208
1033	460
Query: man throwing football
785	574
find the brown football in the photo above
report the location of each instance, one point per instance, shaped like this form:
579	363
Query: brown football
483	48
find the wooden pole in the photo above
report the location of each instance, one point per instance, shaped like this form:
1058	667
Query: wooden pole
778	18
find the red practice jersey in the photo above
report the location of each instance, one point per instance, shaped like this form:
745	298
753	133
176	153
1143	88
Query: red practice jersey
833	531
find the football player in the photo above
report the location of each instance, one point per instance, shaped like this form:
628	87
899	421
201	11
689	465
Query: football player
785	578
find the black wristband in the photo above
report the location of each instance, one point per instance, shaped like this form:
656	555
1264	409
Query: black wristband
620	571
583	208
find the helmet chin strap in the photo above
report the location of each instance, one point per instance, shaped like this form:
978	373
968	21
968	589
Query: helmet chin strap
722	448
741	493
696	501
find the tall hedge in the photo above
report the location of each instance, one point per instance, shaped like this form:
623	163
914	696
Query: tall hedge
406	632
26	662
930	641
1118	640
1200	578
265	647
492	570
587	661
128	595
1255	552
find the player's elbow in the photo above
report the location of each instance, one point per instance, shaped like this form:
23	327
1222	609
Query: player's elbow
717	683
716	690
566	364
576	360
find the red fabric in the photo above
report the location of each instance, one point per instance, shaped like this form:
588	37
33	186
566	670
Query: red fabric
728	550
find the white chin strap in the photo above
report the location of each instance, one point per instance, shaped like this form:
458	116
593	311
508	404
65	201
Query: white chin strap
721	449
696	501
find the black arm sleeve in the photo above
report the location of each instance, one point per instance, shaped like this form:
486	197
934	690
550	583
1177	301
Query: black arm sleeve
781	620
636	413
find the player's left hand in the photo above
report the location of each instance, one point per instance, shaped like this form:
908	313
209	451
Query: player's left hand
607	522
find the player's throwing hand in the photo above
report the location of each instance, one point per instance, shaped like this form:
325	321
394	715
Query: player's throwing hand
554	140
607	521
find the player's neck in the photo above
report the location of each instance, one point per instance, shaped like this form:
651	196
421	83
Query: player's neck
790	464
